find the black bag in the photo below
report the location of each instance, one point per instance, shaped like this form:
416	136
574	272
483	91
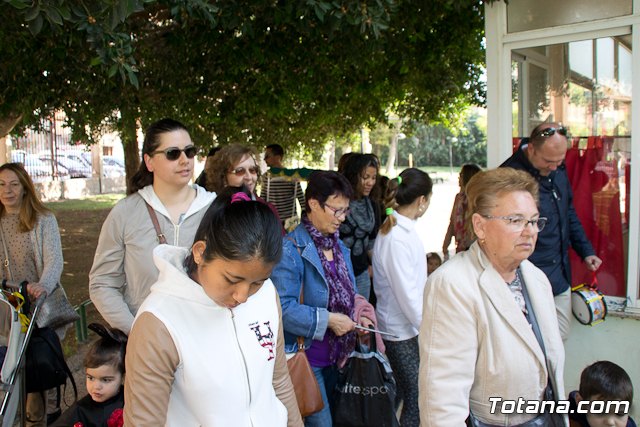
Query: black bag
45	366
366	390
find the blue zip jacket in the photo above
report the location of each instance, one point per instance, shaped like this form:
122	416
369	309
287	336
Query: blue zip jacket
563	229
308	320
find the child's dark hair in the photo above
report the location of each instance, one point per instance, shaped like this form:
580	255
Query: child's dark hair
109	349
236	228
606	381
434	255
467	171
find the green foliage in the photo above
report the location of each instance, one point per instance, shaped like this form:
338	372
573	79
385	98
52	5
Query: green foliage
430	144
298	73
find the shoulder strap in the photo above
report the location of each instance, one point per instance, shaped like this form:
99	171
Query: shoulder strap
154	219
531	315
531	318
295	245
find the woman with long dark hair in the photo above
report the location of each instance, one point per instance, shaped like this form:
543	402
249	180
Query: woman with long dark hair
399	275
359	229
123	269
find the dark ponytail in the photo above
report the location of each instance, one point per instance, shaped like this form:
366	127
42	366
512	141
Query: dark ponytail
404	190
236	228
143	176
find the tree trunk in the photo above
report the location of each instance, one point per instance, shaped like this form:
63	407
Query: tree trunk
130	143
8	123
393	150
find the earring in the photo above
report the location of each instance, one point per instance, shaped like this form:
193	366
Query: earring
481	241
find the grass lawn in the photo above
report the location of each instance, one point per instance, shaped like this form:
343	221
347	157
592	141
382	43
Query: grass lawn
90	203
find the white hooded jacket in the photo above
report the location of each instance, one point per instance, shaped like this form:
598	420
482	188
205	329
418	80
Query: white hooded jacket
227	356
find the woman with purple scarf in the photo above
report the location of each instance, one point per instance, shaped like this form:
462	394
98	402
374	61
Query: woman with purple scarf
315	259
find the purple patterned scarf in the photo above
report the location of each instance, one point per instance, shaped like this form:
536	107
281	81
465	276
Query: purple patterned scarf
341	290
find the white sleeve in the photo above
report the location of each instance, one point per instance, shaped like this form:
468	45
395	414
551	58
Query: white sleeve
107	277
448	352
405	279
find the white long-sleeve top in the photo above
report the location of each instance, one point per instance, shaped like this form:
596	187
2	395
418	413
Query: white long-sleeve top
399	277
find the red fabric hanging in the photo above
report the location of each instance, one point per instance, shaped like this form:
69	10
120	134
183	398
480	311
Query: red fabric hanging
596	199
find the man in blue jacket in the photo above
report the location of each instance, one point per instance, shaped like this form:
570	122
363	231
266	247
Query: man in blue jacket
542	155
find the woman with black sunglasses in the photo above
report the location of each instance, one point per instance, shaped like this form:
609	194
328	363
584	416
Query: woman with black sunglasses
161	207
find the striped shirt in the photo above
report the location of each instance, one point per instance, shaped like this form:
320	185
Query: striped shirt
282	192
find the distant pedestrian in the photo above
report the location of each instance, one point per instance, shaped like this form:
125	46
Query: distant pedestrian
202	178
283	192
360	227
433	262
458	227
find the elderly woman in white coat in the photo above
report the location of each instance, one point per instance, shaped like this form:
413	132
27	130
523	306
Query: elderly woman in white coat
478	348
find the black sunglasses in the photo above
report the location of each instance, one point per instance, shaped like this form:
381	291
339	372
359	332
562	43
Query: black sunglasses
173	153
546	133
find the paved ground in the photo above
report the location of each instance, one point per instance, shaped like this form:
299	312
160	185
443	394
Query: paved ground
433	225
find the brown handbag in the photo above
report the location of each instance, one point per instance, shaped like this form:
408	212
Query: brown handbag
304	380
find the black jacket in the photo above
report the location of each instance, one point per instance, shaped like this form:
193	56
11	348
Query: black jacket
563	229
91	413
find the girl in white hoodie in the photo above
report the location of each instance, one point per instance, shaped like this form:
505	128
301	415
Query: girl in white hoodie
207	347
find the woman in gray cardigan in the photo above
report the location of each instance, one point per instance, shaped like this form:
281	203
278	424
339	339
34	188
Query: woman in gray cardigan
31	251
123	269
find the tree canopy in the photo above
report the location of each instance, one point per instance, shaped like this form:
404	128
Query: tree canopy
289	72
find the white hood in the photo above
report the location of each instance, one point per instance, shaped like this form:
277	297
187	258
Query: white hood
203	199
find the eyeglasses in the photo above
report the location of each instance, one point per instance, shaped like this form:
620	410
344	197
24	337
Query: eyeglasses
338	212
546	133
253	170
173	153
518	223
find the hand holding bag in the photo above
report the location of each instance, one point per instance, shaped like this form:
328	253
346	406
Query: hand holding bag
366	390
56	311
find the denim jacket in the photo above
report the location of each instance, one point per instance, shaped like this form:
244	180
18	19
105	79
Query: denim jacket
308	320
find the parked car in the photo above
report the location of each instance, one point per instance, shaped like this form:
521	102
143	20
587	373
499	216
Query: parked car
76	169
60	171
113	166
37	169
